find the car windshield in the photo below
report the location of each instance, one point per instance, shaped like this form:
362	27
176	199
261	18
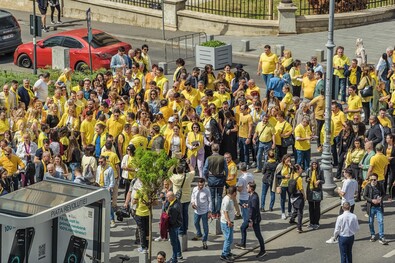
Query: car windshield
7	22
102	40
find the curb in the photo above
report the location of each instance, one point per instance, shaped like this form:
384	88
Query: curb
289	229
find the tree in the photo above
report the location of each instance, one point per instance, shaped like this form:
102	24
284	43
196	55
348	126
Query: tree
152	168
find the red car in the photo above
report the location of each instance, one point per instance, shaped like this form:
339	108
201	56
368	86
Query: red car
103	47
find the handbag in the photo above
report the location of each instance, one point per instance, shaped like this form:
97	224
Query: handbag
367	91
286	142
315	195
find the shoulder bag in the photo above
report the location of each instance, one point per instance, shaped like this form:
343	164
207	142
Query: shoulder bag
367	91
286	142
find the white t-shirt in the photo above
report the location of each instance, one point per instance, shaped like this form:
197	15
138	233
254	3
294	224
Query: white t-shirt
227	205
42	90
350	186
243	181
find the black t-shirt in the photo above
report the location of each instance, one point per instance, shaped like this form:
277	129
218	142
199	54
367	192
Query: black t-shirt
39	153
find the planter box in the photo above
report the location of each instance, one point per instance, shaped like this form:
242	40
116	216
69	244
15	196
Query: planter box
216	56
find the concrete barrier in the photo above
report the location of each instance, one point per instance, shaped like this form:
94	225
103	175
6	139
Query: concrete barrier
245	45
214	226
320	54
184	243
164	66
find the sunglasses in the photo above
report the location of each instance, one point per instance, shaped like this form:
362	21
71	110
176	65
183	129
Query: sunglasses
373	180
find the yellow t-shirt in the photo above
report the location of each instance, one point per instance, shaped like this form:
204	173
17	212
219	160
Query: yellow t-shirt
308	87
378	163
294	73
281	128
113	160
193	97
385	122
114	127
319	108
353	76
139	141
268	63
221	98
232	170
142	209
338	120
244	122
88	128
285	172
302	132
340	61
265	132
286	102
354	103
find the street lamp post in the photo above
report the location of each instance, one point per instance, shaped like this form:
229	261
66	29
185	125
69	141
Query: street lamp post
327	166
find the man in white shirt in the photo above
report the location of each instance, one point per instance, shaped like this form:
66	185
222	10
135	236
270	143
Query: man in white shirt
348	190
346	227
105	179
227	224
201	203
40	88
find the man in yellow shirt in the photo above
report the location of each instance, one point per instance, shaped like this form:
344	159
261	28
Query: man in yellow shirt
339	120
268	62
231	180
161	81
221	95
264	138
87	129
245	134
191	94
319	108
308	84
138	140
250	89
354	103
340	65
115	123
11	162
379	165
303	137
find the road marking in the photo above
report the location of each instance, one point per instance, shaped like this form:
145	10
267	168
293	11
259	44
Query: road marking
389	254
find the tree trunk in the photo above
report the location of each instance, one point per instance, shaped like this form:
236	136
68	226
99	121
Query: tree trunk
150	234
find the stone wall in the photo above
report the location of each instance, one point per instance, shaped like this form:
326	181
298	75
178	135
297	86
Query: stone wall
176	17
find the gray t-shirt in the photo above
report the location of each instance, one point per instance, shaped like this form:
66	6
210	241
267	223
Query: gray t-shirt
243	181
350	186
227	205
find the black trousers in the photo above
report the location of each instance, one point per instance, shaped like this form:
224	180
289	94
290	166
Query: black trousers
53	11
258	234
320	123
366	111
315	212
342	157
280	152
143	223
297	211
296	90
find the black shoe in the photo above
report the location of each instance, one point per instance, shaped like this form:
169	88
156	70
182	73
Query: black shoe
205	247
292	222
45	29
226	258
271	209
263	210
261	254
240	246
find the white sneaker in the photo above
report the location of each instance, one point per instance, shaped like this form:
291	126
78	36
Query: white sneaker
112	224
159	239
283	216
332	240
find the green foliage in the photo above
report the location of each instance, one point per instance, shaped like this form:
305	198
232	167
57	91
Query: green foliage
152	169
213	43
8	76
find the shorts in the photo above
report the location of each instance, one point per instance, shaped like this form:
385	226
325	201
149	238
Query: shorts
43	11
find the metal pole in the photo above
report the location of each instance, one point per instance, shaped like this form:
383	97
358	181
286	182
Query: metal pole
163	21
327	166
34	39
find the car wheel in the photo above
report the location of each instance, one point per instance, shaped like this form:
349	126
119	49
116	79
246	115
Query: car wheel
81	66
24	61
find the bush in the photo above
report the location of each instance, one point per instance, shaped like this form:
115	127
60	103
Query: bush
8	76
213	43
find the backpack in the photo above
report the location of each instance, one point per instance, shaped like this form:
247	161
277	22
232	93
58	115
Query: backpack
30	168
89	172
292	185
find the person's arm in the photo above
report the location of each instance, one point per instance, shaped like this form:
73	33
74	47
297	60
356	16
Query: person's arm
111	174
208	194
226	171
259	70
193	197
128	198
248	141
205	169
337	227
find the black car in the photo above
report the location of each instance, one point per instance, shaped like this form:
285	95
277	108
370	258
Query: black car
10	32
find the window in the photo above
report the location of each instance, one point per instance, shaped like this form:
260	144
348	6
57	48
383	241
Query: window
102	40
53	41
71	43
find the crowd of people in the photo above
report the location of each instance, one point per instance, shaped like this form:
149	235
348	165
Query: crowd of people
216	124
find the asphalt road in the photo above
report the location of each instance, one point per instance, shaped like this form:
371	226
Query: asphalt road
310	246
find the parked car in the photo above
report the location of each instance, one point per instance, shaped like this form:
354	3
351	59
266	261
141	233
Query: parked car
10	32
103	47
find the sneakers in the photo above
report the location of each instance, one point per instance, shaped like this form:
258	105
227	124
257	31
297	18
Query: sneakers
263	210
332	240
271	209
283	216
159	239
383	241
142	250
310	227
240	246
196	238
205	247
299	230
373	238
59	22
112	224
53	22
315	227
257	171
292	222
226	258
253	165
45	29
261	254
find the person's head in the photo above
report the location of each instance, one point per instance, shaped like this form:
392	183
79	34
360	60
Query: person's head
379	148
305	121
346	206
286	160
3	173
46	157
161	256
243	167
267	49
99	128
102	161
358	143
280	116
373	179
201	182
228	157
352	89
368	146
347	173
57	159
251	187
357	118
215	148
51	169
382	112
89	150
144	48
170	196
232	191
340	51
130	149
390	139
373	120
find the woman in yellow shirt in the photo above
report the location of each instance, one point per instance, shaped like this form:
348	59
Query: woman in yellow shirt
315	179
175	143
208	77
287	60
195	145
366	80
229	75
281	177
354	157
70	119
296	78
283	131
380	98
286	102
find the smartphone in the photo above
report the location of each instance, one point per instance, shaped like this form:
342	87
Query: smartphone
21	245
75	250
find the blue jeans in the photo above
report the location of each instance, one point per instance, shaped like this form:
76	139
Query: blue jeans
345	246
266	78
185	218
342	88
244	225
263	148
112	209
376	211
216	199
72	168
228	236
175	243
204	218
265	188
303	158
244	150
283	196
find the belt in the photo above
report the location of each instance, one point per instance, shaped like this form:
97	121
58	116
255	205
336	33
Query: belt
266	142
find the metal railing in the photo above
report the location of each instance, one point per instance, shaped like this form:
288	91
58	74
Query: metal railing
257	9
153	4
316	7
183	46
